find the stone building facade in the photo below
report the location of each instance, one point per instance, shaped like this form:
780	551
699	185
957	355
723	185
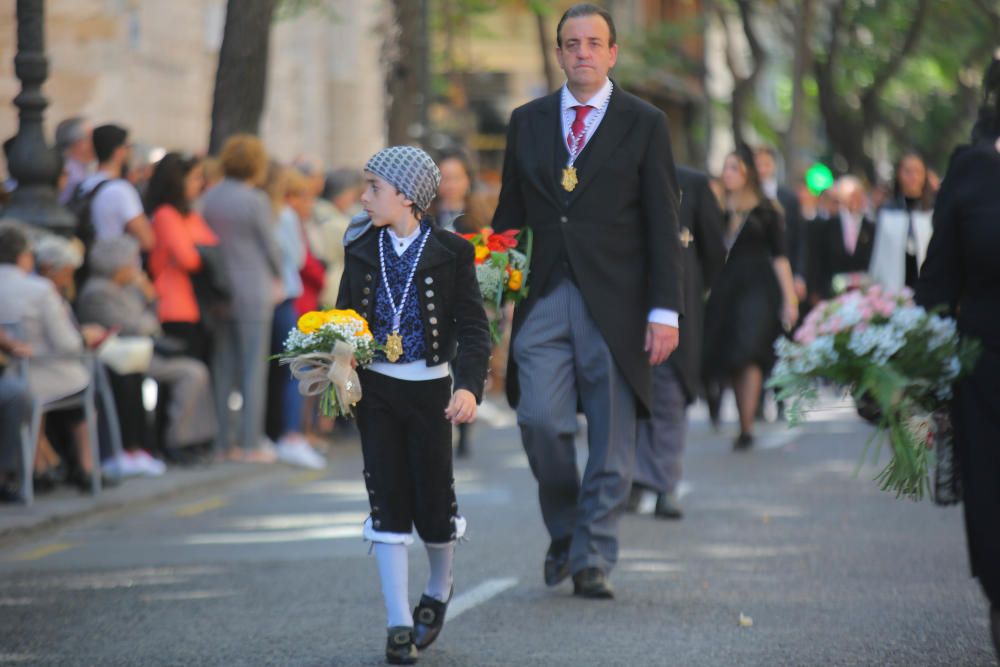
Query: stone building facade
150	65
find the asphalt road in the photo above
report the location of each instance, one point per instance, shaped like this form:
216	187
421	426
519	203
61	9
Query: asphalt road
274	572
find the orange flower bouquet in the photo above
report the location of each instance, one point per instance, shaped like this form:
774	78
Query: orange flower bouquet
502	261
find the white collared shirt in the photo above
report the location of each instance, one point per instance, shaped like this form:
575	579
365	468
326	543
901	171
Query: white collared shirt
598	101
400	244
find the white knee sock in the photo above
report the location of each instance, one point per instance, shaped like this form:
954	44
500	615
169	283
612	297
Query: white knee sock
393	570
441	557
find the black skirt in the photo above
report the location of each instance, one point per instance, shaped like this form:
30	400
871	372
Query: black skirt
742	319
976	419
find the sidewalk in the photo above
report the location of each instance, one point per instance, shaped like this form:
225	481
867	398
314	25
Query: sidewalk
66	504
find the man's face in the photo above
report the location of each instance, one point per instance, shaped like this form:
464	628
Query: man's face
586	55
765	165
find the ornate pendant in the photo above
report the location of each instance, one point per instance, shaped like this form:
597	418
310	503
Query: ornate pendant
569	179
393	346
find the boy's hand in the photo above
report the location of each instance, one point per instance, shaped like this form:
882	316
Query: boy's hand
462	408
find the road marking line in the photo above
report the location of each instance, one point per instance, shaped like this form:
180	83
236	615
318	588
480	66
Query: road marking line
42	552
200	508
307	478
277	537
477	596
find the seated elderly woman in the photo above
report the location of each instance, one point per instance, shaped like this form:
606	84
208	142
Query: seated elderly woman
119	295
34	313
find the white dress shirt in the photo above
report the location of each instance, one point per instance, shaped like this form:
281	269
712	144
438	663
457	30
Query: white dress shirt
600	102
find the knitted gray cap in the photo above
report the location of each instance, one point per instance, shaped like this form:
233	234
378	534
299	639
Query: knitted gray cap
410	170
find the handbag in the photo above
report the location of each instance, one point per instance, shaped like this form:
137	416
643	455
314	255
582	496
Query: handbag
212	288
947	486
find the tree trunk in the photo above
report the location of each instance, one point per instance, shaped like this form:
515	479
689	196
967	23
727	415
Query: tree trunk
241	78
407	79
545	42
798	132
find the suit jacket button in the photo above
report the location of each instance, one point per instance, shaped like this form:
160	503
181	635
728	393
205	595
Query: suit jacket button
434	332
377	523
428	280
366	290
436	358
429	293
433	320
435	345
368	277
364	302
564	219
430	306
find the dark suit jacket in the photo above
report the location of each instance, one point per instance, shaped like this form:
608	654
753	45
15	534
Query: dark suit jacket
704	255
455	326
617	230
828	256
794	232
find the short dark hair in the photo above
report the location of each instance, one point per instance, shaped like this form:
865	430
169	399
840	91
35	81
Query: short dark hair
340	180
166	185
107	139
587	9
13	242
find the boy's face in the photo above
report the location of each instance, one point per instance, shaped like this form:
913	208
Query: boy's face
383	202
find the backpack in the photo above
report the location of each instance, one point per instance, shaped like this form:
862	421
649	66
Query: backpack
81	206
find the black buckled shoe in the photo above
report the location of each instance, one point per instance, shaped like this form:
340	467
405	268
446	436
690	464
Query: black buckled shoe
557	561
592	583
428	619
668	507
399	647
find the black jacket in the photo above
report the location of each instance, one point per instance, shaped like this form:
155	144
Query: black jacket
704	255
455	325
617	230
828	256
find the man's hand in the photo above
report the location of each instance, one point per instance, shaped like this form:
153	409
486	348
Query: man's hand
462	408
661	341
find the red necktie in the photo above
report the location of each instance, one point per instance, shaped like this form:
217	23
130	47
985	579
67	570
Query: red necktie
578	130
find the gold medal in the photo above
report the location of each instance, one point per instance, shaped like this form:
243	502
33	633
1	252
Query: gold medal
393	346
569	179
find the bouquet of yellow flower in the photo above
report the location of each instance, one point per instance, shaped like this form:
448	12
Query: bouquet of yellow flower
320	350
501	269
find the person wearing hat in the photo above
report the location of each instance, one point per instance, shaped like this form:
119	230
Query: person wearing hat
115	208
74	143
416	285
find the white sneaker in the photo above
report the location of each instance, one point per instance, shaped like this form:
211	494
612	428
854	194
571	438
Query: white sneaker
298	453
123	465
149	466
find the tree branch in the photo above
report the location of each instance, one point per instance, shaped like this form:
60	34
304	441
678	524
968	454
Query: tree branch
890	69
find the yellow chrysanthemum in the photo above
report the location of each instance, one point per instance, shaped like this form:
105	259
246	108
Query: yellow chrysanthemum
311	322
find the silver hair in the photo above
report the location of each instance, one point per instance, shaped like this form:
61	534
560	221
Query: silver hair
108	256
56	252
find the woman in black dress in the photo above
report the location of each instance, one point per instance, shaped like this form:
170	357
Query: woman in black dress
962	274
754	297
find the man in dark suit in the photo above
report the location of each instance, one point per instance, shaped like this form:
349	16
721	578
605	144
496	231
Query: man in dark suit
842	243
676	384
590	169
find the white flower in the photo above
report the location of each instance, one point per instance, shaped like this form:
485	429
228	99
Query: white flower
907	318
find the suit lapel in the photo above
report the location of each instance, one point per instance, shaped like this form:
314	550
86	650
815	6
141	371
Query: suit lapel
546	126
616	122
435	253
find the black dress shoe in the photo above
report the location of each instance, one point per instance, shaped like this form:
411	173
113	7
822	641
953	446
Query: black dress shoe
743	442
399	647
428	619
592	583
557	561
668	507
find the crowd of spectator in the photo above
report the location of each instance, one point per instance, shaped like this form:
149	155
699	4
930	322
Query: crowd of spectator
184	276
